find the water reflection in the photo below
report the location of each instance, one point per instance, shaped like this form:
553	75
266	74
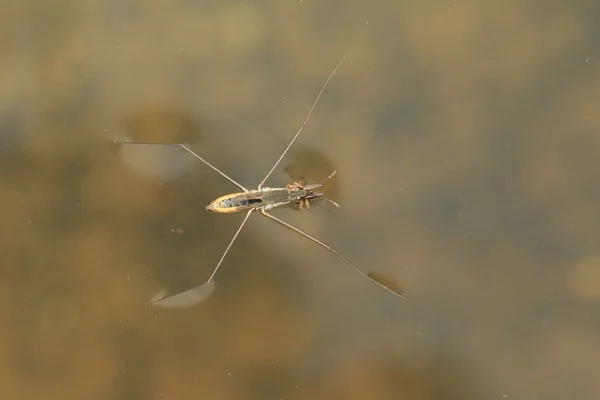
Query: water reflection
185	299
160	125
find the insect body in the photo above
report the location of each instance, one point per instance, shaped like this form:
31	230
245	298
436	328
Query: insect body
263	199
268	198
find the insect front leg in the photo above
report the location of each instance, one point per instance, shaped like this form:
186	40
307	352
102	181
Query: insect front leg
307	204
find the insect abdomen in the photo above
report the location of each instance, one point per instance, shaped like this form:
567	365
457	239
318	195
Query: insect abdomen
236	202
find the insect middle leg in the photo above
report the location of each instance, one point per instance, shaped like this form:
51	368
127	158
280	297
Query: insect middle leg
197	293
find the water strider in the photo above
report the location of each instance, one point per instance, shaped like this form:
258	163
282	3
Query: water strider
263	199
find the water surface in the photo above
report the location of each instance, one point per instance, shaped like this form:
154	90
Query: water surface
465	136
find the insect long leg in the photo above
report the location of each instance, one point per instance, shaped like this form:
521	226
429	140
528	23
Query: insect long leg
229	246
305	121
306	235
198	293
183	146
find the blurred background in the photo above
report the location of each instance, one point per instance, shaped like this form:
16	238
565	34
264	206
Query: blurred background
465	135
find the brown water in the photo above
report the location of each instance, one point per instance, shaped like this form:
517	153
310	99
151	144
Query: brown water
466	138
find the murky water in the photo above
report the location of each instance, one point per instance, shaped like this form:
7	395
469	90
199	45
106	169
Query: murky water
465	136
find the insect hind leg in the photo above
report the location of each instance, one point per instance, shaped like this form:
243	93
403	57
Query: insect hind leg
331	249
